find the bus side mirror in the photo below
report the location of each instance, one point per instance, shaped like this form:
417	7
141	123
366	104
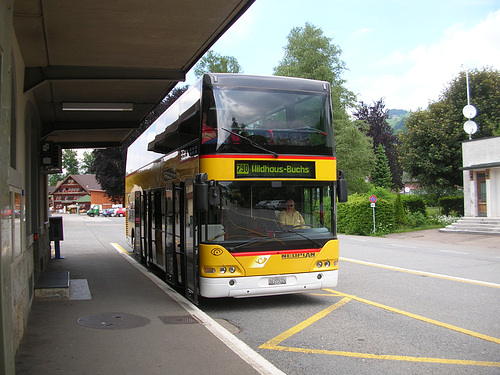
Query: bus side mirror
213	194
201	193
341	187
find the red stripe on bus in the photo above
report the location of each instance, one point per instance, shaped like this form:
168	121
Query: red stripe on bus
276	252
243	156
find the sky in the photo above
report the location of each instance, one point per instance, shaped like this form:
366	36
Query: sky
404	51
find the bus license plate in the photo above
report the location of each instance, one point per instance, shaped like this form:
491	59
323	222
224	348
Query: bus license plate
277	281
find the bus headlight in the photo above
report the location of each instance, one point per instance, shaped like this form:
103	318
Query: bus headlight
319	264
327	264
223	270
232	269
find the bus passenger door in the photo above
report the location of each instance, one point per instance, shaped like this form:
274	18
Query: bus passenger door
170	237
190	248
147	228
157	230
138	236
179	275
144	227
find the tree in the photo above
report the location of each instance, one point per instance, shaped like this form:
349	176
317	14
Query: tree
354	156
88	160
431	146
373	122
54	178
399	212
70	165
70	162
214	62
109	168
381	175
310	54
484	95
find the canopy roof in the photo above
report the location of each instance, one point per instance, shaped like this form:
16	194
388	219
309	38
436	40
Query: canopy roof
104	54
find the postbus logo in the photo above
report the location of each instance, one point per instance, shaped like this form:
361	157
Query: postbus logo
216	252
260	261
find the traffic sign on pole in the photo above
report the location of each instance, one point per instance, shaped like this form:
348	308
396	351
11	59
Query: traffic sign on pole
373	200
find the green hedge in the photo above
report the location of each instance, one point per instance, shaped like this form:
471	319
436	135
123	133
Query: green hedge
451	204
399	212
356	216
413	204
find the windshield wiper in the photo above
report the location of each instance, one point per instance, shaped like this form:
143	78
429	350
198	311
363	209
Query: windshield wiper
255	241
217	236
252	142
310	129
305	237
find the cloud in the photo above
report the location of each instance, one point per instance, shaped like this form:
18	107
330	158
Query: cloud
429	69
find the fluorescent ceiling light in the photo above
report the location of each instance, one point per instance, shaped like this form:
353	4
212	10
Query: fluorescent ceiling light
97	106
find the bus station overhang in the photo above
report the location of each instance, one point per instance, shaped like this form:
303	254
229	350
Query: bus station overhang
97	68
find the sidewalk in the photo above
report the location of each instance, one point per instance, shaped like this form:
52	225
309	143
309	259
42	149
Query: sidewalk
124	322
450	238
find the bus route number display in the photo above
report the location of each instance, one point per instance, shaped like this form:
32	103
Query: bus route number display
274	169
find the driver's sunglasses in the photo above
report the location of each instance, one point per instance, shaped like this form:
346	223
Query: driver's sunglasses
290	205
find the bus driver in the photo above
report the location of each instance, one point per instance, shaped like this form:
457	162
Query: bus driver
290	216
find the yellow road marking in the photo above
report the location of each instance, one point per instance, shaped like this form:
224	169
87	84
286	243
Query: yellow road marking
430	274
418	317
273	344
119	248
387	357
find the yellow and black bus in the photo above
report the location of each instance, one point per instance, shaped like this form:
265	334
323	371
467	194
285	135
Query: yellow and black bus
207	185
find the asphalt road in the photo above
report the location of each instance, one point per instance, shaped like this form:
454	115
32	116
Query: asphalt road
417	303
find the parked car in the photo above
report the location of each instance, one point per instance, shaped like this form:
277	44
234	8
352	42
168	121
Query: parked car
276	205
108	212
262	204
120	212
93	211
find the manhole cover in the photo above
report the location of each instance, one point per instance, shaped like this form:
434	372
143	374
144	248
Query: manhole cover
112	321
184	319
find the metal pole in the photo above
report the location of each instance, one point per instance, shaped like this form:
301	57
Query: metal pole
374	219
57	250
467	80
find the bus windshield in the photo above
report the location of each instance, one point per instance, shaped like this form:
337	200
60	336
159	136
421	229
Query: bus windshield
252	214
266	119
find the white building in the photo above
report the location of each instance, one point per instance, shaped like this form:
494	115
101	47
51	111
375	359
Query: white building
481	167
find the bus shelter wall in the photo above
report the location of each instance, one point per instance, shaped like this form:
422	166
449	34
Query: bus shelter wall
24	220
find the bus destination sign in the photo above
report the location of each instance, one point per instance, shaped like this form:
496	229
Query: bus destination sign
274	169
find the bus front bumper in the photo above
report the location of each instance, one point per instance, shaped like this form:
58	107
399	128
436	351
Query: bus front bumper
254	286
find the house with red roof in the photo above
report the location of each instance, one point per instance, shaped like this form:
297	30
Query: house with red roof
73	193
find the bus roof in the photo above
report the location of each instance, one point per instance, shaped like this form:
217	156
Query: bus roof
275	82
